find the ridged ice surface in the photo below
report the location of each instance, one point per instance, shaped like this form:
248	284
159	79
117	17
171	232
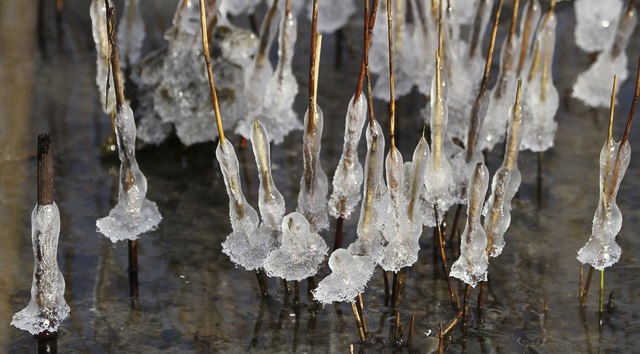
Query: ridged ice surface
300	253
596	22
373	211
602	251
314	185
472	266
347	180
270	200
349	276
131	34
593	86
47	308
134	214
246	246
98	15
541	94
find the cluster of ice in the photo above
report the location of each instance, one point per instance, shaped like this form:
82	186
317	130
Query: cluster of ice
350	274
602	251
134	214
301	251
312	198
472	266
541	94
98	13
47	307
246	246
373	211
592	86
347	180
596	23
504	186
131	34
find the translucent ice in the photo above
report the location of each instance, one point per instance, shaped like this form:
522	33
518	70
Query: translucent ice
270	200
98	14
596	22
472	266
301	252
130	33
332	14
419	212
373	211
592	86
238	7
134	214
541	94
347	180
312	199
350	274
247	245
602	251
47	307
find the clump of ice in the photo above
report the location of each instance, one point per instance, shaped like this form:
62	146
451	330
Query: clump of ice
47	308
301	251
472	266
596	23
347	180
134	214
246	246
350	275
541	94
373	211
592	86
98	13
131	34
602	251
312	198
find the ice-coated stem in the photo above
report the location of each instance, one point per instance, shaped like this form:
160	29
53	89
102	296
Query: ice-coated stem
531	17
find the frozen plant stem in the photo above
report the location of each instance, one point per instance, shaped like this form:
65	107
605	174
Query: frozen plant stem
455	302
313	70
392	94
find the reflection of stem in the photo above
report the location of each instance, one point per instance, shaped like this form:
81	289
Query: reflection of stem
585	290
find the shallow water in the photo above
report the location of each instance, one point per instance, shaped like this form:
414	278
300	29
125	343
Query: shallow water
193	299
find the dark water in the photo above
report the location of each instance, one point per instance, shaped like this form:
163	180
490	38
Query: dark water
193	299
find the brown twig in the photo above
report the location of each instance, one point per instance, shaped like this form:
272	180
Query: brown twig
455	302
372	19
356	315
585	290
312	66
528	27
115	61
392	84
45	170
440	341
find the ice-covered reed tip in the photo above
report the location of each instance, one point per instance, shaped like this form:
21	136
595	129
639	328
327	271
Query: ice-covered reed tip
350	275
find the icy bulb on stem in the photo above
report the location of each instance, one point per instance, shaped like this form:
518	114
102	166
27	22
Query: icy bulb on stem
47	307
349	276
301	251
473	263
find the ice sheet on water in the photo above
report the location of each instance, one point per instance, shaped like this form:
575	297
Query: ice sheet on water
373	211
47	307
347	180
312	198
301	252
332	14
602	251
131	34
270	200
541	95
350	275
98	15
134	214
472	266
596	23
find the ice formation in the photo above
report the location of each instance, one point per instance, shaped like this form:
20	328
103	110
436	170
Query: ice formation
350	274
505	184
332	14
602	251
270	200
312	198
591	87
347	180
596	22
418	211
541	94
134	214
247	245
47	307
238	7
98	14
131	34
472	266
373	211
301	252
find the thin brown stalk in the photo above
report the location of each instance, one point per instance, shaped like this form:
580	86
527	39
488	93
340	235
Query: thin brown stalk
601	297
365	44
264	33
361	311
207	60
512	149
356	315
632	110
514	21
528	27
312	66
492	43
455	302
392	84
115	61
585	290
441	341
372	19
45	170
411	327
612	108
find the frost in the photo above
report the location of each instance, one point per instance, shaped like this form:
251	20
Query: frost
350	274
